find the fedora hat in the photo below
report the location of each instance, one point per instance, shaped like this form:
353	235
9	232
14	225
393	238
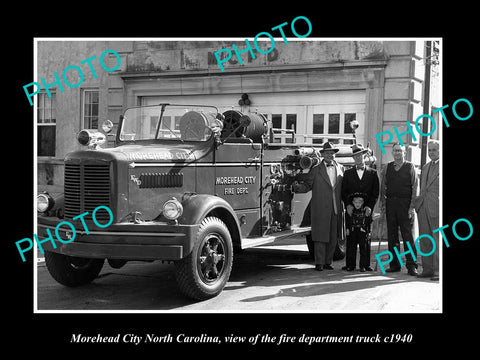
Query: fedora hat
358	149
328	146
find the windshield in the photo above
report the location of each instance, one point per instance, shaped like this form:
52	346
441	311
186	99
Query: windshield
169	122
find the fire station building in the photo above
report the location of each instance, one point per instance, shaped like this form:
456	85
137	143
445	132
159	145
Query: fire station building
316	86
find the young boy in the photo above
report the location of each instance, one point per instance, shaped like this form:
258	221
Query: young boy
358	232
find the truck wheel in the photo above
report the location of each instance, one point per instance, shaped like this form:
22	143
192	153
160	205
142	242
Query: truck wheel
205	271
72	271
339	253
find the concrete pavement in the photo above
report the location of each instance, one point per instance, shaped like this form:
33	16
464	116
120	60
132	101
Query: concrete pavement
277	278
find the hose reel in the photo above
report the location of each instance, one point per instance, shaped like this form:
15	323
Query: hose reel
251	125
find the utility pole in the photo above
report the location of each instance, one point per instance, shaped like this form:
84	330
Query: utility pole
426	101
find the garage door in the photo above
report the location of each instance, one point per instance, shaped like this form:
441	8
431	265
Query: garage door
318	113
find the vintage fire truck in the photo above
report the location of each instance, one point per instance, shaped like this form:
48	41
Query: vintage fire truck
193	194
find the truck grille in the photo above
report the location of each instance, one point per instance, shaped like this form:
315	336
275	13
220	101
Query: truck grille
87	186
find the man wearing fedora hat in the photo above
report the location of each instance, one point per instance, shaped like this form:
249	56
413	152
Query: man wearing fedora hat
325	181
359	179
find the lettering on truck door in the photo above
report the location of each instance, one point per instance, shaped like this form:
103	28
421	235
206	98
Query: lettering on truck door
238	181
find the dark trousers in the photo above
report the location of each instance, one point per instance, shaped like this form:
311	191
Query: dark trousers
324	250
362	239
397	217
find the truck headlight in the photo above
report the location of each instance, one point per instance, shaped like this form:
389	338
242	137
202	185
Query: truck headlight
172	209
44	202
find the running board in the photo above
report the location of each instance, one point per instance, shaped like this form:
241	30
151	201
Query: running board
261	240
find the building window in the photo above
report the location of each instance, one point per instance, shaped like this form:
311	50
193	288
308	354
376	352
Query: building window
276	124
177	123
318	123
153	125
291	125
90	109
277	121
333	124
46	124
283	122
347	129
170	124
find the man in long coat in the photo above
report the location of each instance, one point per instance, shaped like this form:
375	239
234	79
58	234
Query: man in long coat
427	207
325	181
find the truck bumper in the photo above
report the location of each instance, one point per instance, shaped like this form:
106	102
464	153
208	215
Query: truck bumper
145	241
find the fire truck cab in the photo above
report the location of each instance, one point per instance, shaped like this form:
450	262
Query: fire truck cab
193	194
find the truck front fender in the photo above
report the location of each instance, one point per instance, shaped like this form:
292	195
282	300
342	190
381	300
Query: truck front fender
197	207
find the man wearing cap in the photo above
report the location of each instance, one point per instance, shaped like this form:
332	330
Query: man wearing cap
325	181
359	179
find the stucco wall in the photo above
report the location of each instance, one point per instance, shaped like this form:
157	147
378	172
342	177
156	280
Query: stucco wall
165	56
397	92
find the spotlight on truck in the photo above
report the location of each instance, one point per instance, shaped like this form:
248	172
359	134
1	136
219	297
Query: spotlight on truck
94	138
91	138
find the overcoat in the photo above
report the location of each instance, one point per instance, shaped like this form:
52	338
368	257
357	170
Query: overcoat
324	195
427	204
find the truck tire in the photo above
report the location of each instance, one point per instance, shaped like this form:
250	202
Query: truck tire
339	253
205	271
72	271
